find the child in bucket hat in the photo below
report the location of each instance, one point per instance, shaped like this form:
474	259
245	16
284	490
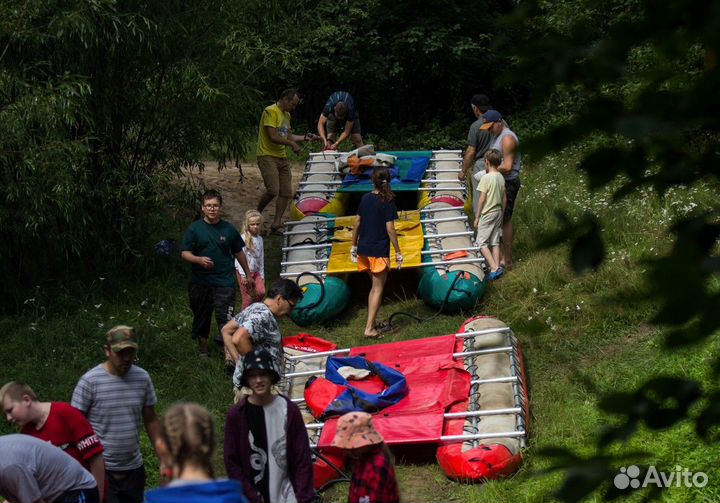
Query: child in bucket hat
259	360
266	443
373	478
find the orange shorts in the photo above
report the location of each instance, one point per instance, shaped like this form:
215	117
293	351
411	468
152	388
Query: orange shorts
373	264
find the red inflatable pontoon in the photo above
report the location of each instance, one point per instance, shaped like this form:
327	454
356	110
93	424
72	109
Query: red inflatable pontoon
467	395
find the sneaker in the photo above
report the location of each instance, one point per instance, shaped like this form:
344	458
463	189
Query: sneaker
496	274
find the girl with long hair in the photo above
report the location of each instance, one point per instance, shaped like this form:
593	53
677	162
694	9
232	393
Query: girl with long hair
254	251
373	232
185	444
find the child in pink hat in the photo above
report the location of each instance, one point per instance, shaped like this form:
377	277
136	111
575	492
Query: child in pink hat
373	478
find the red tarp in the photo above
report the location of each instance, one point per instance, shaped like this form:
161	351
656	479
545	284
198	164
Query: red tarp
436	381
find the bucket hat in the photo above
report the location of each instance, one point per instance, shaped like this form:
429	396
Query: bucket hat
258	360
355	430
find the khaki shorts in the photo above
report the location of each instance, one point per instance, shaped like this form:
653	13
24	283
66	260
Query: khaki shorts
276	175
490	229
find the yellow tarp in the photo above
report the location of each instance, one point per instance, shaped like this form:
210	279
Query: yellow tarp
410	237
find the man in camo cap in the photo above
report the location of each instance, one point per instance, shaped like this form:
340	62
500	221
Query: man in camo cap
115	395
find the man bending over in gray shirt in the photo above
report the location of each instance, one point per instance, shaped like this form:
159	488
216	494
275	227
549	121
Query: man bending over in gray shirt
33	471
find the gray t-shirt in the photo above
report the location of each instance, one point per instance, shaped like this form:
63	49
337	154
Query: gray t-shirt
264	331
480	140
114	406
31	469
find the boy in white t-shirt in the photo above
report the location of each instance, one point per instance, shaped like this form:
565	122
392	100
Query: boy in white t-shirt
489	218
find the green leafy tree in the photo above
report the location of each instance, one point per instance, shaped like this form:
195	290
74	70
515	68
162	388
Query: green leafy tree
406	63
102	104
644	78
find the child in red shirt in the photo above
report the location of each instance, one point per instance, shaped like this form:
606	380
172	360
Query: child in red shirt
56	422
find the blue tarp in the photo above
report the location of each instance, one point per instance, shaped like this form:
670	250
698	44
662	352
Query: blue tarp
406	173
353	399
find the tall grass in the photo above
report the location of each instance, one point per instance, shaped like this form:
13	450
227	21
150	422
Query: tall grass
582	336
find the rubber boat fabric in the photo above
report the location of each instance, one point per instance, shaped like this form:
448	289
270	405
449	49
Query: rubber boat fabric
438	382
410	237
435	381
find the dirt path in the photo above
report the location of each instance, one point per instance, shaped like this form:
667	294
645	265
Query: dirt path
241	195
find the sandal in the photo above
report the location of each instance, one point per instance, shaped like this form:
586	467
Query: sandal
386	328
373	336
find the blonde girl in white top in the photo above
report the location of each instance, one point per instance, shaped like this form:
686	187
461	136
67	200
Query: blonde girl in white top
254	251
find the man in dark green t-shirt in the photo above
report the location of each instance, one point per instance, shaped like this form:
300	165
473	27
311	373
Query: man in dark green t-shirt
211	244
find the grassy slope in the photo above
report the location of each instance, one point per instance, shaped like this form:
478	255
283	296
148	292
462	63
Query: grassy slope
572	330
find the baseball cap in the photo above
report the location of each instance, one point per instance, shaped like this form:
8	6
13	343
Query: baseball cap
491	116
121	337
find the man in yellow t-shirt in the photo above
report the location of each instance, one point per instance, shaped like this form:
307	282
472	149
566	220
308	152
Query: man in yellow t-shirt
273	135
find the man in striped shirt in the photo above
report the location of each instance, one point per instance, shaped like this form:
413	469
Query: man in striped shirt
114	396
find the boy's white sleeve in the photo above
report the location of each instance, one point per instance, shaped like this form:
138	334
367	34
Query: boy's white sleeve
477	176
239	268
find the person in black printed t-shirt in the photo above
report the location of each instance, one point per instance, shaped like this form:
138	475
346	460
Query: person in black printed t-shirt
266	443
